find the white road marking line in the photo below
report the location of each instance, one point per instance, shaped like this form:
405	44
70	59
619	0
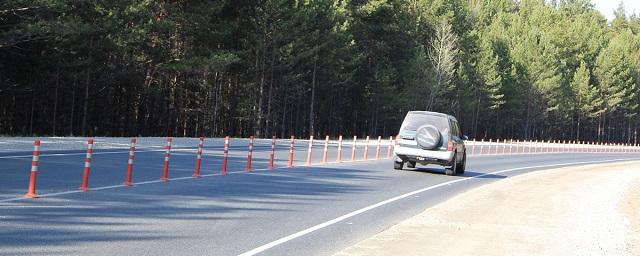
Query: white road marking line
388	201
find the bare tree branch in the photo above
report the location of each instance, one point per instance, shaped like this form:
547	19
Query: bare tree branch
442	56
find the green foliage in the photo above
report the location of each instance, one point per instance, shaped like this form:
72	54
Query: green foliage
529	68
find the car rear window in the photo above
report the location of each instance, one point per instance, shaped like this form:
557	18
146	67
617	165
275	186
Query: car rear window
414	120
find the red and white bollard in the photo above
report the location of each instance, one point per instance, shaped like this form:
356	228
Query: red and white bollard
84	186
504	146
128	178
250	155
378	148
510	146
389	147
196	171
339	156
353	148
309	150
225	157
167	155
326	149
290	164
490	143
588	147
33	177
547	148
272	156
366	149
473	148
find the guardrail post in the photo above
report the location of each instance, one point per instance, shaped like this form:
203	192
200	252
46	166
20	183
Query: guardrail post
326	148
389	148
165	168
128	179
293	139
225	157
504	146
196	171
33	177
353	149
473	148
339	156
378	148
366	149
510	146
84	186
250	154
272	155
309	150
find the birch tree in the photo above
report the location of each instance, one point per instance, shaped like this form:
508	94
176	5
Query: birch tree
442	56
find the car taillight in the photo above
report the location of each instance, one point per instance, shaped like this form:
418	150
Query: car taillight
450	146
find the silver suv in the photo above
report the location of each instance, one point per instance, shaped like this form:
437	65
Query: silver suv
431	138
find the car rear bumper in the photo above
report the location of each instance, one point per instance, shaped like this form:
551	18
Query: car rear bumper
423	156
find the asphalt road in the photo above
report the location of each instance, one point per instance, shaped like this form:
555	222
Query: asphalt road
316	210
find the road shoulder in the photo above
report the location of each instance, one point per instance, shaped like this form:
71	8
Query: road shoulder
586	210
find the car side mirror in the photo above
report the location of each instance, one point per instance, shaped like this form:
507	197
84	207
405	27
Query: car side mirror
464	137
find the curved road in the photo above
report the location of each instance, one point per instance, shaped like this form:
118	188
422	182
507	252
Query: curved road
315	210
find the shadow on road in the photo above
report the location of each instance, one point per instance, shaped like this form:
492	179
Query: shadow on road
125	214
467	173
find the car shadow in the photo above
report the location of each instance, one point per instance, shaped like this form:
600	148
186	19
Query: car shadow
467	173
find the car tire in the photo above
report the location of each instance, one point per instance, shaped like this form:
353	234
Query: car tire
411	164
462	165
397	165
453	168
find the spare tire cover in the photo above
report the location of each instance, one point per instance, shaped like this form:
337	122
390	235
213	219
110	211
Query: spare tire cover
428	136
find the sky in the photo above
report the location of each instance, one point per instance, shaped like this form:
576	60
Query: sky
606	7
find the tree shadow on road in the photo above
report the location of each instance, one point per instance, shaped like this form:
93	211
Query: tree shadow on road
125	214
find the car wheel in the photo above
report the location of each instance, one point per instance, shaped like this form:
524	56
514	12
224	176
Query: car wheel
462	165
397	165
454	167
411	164
428	137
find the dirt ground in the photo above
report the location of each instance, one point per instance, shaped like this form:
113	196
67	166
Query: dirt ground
587	210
